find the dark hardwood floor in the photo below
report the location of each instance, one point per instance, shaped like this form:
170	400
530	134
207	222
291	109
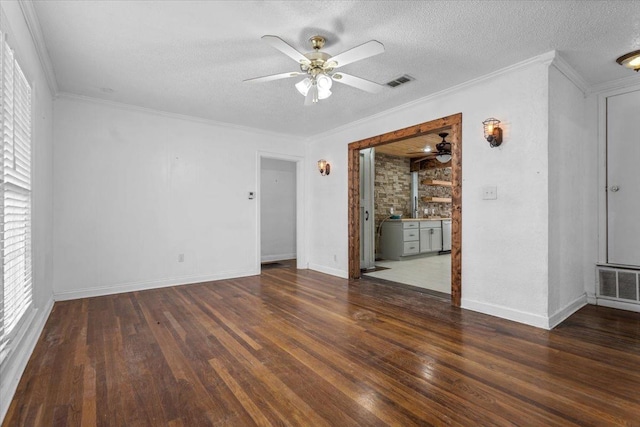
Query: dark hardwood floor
303	348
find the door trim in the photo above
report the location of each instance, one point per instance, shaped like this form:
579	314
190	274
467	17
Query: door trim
455	123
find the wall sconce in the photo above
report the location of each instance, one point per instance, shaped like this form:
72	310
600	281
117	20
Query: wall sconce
492	132
324	167
630	60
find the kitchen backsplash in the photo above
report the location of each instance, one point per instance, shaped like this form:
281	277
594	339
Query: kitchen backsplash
392	186
441	174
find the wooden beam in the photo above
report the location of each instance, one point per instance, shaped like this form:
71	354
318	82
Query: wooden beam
436	182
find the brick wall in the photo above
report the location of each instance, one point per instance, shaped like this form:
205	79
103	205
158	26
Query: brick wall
392	186
442	174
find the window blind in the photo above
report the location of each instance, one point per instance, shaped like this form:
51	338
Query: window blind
15	192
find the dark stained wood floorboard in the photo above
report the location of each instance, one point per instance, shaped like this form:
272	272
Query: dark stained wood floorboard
297	347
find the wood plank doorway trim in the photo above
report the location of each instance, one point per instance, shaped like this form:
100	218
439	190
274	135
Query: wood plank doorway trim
454	122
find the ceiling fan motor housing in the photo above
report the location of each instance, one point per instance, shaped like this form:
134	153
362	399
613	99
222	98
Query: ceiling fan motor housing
318	63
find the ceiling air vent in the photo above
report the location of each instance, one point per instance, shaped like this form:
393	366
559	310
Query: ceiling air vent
400	80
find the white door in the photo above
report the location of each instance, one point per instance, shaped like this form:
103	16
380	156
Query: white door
623	179
367	221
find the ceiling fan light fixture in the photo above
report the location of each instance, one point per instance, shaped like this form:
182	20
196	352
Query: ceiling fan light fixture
303	86
443	157
630	60
319	66
323	94
324	82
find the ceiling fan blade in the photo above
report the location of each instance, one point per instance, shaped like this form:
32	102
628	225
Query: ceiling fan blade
357	82
275	77
312	96
357	53
286	48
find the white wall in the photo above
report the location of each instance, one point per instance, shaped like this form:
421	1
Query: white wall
571	227
134	189
42	191
277	209
504	241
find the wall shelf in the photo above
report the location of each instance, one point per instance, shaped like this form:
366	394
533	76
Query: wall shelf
437	199
436	182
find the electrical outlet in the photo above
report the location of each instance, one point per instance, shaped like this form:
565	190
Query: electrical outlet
489	193
391	211
180	257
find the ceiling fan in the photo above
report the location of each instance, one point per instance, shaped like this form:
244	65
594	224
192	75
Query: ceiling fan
443	155
318	68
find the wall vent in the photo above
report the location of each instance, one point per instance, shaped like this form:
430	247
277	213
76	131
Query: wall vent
400	80
620	284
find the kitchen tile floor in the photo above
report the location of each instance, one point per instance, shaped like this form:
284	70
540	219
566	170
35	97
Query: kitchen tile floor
433	272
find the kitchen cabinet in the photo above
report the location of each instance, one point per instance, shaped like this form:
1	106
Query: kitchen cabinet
430	236
399	238
410	237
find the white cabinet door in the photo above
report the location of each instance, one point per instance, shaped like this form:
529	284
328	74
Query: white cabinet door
623	179
436	239
425	240
430	239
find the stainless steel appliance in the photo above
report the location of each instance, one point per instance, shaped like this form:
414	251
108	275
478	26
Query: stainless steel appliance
446	235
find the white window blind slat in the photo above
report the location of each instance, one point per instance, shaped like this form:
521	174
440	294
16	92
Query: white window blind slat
15	196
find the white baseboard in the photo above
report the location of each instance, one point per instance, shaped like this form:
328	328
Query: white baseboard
329	270
560	315
278	257
152	284
506	313
618	304
14	366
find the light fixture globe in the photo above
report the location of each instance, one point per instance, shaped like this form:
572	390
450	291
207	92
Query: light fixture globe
322	82
443	158
303	86
492	132
630	60
323	94
324	167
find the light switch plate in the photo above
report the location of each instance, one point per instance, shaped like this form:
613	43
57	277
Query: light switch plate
489	193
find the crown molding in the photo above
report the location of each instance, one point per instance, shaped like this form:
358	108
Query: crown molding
167	114
545	58
31	18
569	72
625	82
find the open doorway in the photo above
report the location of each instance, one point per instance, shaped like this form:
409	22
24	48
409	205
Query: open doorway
278	213
452	124
411	202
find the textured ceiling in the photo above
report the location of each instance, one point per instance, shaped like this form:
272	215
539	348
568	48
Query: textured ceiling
190	57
